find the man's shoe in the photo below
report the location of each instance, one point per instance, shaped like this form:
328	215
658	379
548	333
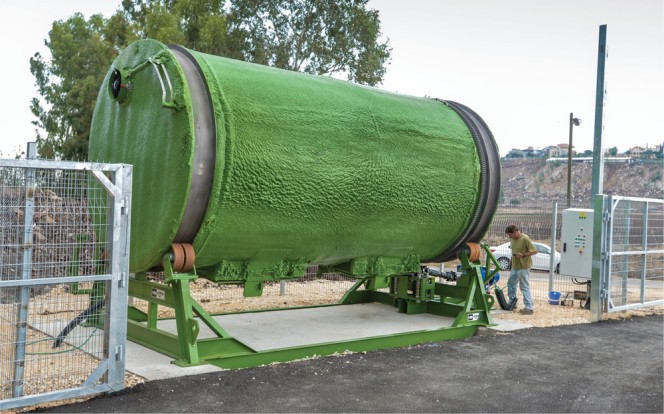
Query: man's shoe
526	311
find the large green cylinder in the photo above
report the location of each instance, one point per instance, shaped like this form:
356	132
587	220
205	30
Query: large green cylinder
265	171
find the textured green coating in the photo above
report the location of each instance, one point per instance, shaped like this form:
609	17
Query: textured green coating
309	170
156	140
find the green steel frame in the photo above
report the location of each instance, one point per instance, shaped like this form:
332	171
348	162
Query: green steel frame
467	303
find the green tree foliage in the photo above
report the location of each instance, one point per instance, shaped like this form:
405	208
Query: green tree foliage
69	82
313	36
613	151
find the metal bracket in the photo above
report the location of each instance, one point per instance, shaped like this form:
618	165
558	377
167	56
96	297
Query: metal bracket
122	279
119	353
156	64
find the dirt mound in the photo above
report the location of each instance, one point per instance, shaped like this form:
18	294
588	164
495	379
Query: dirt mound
536	180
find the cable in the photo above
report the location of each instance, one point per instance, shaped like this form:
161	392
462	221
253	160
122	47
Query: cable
502	302
76	321
73	348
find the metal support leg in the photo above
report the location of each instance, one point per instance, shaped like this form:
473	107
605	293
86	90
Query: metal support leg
187	327
477	307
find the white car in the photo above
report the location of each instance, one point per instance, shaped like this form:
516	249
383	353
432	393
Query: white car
541	260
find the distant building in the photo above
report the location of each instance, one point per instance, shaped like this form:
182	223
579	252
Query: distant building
636	152
589	160
516	153
533	153
551	151
559	150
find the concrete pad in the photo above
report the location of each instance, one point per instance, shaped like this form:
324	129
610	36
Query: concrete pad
506	325
286	328
278	329
139	360
152	365
502	325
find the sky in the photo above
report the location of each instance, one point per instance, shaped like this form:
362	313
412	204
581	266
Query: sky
522	65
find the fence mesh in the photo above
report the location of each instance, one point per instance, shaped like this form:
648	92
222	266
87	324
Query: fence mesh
309	290
44	223
535	219
637	252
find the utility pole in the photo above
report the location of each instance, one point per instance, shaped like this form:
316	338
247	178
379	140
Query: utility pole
572	121
598	150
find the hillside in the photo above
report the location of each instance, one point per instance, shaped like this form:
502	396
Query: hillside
533	179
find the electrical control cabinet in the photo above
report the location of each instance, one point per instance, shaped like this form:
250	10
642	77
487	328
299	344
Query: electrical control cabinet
576	256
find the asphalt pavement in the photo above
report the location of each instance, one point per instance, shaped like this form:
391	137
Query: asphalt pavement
605	367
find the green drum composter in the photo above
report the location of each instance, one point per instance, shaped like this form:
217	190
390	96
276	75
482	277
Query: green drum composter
246	174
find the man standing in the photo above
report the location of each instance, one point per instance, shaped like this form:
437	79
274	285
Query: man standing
522	250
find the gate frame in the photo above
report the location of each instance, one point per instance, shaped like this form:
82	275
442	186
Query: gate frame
111	369
600	293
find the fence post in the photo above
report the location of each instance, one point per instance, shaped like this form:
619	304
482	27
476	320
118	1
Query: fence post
601	223
116	297
26	274
554	236
644	247
625	259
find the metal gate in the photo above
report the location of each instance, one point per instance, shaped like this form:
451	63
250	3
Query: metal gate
64	245
628	267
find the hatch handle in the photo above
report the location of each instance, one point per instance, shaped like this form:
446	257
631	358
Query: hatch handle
159	68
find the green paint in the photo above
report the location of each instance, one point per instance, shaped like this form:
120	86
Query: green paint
156	139
309	170
467	302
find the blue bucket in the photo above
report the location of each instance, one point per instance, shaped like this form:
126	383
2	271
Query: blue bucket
554	298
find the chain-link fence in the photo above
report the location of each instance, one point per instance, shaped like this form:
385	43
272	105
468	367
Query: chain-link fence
63	255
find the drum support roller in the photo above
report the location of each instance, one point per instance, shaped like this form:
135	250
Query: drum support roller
182	257
463	307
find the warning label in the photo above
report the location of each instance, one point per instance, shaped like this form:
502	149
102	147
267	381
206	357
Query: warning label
158	294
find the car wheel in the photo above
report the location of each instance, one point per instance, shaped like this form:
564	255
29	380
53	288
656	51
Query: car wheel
504	263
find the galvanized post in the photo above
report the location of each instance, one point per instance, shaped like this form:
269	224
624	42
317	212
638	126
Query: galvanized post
116	294
569	161
644	245
625	259
26	274
282	288
600	91
554	236
599	263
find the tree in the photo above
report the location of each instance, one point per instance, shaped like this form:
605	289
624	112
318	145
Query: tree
69	82
613	151
313	36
